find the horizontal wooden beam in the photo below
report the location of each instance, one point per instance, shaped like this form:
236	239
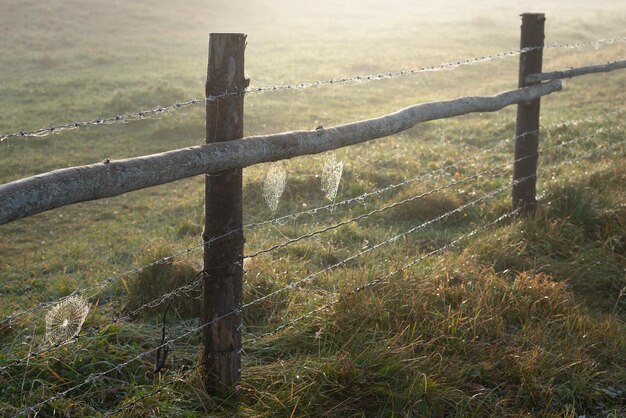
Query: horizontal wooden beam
66	186
559	75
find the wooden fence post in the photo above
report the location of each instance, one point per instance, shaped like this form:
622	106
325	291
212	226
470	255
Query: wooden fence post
527	128
223	278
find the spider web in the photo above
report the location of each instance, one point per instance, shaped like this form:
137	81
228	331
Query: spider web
65	319
274	185
331	175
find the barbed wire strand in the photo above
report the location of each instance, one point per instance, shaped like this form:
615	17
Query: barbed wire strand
282	219
343	297
161	110
181	377
279	220
93	331
176	292
323	307
237	311
95	376
359	289
181	290
429	254
414	198
575	45
382	279
441	170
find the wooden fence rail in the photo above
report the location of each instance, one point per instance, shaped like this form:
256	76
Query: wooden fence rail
226	153
575	72
58	188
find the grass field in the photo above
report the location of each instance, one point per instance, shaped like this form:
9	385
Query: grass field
525	318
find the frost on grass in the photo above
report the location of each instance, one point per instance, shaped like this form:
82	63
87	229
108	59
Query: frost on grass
65	319
331	175
274	185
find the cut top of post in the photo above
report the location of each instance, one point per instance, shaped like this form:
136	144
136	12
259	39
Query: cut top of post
534	15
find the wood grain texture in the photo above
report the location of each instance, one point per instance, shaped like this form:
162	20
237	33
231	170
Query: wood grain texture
223	212
524	193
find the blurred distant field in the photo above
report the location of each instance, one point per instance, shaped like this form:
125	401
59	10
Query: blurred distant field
424	344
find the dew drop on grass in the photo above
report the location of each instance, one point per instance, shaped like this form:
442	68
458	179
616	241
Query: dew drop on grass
331	175
65	319
274	184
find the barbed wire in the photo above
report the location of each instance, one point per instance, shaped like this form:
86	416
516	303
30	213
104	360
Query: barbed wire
159	388
358	199
95	376
429	254
108	280
190	287
357	79
93	331
387	241
280	220
382	279
416	197
354	291
237	311
176	292
425	176
345	296
574	45
339	299
575	122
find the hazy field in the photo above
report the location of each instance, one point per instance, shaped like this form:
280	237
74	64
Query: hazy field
526	319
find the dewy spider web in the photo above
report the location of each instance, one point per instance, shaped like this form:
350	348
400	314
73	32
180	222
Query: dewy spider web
95	376
274	184
293	216
65	319
331	175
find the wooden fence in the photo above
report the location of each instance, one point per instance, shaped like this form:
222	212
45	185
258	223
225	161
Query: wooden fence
226	153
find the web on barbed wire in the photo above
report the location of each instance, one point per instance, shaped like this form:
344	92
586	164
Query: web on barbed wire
65	319
274	184
329	207
331	175
307	279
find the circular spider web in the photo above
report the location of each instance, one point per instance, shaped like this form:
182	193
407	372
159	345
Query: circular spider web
65	319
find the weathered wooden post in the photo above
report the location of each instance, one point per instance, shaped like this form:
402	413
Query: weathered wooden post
223	279
527	128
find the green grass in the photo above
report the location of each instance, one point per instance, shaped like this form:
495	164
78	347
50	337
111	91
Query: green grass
523	319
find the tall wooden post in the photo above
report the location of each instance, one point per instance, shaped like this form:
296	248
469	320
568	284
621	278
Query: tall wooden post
223	279
527	128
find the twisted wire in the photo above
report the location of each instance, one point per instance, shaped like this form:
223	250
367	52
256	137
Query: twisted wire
358	199
382	279
95	376
279	220
414	198
352	292
237	311
426	255
575	45
161	110
46	349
